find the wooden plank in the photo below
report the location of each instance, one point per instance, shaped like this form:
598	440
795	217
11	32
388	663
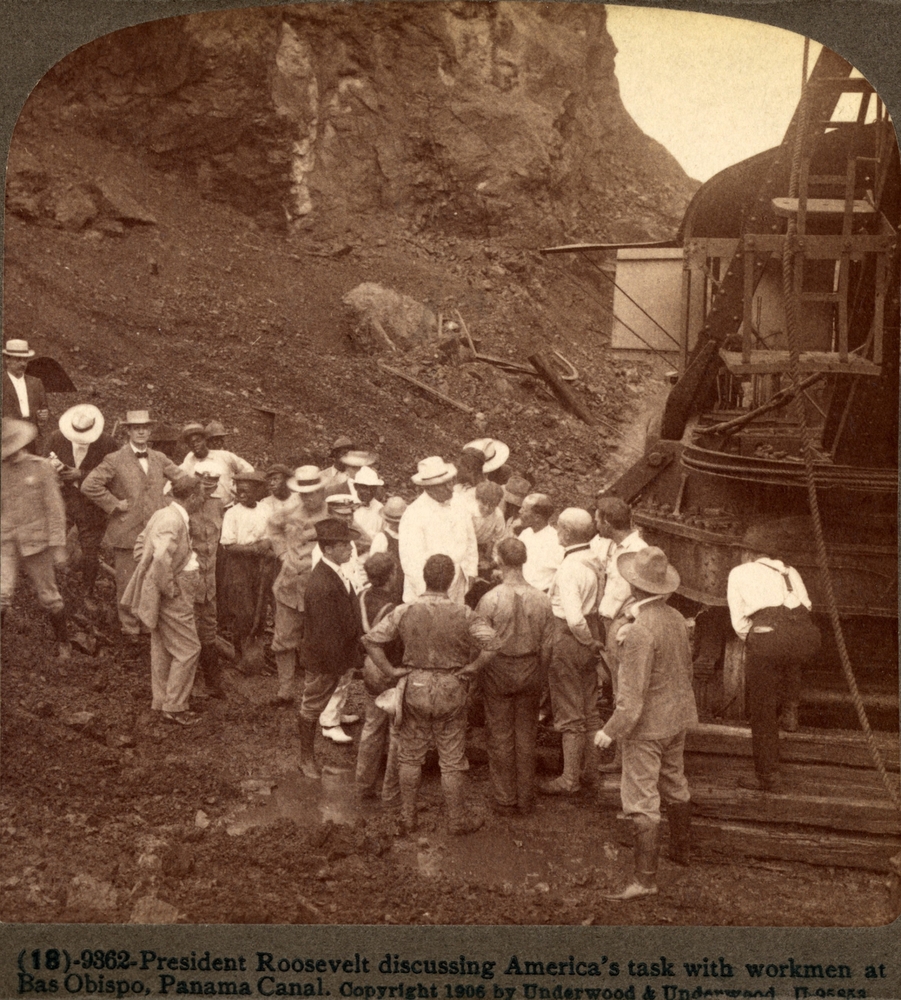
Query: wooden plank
427	388
773	362
821	206
841	747
561	391
751	840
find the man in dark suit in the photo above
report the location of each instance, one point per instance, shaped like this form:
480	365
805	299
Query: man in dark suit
24	397
332	631
76	449
128	485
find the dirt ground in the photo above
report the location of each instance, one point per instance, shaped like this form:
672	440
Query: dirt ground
107	814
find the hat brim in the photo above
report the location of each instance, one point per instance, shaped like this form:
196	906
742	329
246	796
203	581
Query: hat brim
449	474
500	456
81	437
21	357
627	570
23	434
295	488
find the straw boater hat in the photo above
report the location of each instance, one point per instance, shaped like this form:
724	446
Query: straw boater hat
648	569
306	479
433	471
81	424
194	427
16	435
368	477
136	418
17	349
394	509
495	452
359	459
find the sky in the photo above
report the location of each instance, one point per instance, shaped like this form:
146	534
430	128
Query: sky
713	90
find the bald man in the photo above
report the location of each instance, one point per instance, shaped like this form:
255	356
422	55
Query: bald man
573	676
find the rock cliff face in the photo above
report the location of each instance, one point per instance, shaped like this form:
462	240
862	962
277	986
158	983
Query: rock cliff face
461	118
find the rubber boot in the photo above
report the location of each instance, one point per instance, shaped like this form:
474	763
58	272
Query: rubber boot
461	820
61	631
679	814
568	782
212	670
408	776
308	765
647	852
788	720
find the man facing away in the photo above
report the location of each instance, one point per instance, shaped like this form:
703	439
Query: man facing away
655	705
128	485
438	635
161	595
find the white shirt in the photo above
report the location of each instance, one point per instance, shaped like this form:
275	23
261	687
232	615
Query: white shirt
617	590
760	584
574	592
145	464
229	466
428	528
21	392
244	525
544	553
78	453
369	518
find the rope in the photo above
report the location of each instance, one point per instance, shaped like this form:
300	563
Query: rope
809	452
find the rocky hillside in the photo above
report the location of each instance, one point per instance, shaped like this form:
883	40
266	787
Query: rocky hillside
191	202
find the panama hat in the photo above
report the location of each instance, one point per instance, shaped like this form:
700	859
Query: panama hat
648	569
306	479
136	418
394	509
16	435
496	452
17	349
330	529
81	424
368	477
433	471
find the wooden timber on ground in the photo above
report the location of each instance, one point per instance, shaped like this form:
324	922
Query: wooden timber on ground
834	810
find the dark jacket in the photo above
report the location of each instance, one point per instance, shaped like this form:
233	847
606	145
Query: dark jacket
332	625
37	398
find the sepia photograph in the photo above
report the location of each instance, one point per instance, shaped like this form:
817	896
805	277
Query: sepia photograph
449	477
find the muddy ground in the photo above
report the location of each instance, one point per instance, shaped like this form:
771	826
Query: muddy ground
107	814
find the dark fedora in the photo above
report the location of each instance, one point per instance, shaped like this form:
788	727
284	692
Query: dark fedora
648	569
331	530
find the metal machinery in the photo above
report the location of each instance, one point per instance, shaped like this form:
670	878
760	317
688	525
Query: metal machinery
729	451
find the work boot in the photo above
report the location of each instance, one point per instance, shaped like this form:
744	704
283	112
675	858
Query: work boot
788	720
61	631
408	776
568	782
211	669
461	820
308	765
679	815
647	851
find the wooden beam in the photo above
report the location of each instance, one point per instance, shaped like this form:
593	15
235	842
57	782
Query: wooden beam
560	389
427	388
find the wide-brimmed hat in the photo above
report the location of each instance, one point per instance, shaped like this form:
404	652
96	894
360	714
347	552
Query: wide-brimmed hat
16	435
249	477
648	569
342	503
17	349
394	509
81	424
136	418
359	459
495	452
214	429
433	471
330	529
516	489
306	479
194	427
368	477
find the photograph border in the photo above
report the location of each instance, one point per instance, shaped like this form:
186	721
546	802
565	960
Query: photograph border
34	35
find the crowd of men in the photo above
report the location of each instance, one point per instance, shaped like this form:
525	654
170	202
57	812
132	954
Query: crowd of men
477	589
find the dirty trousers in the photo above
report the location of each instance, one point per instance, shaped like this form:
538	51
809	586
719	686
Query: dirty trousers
653	769
378	743
124	564
447	733
573	680
511	687
174	650
286	639
39	568
206	619
769	686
